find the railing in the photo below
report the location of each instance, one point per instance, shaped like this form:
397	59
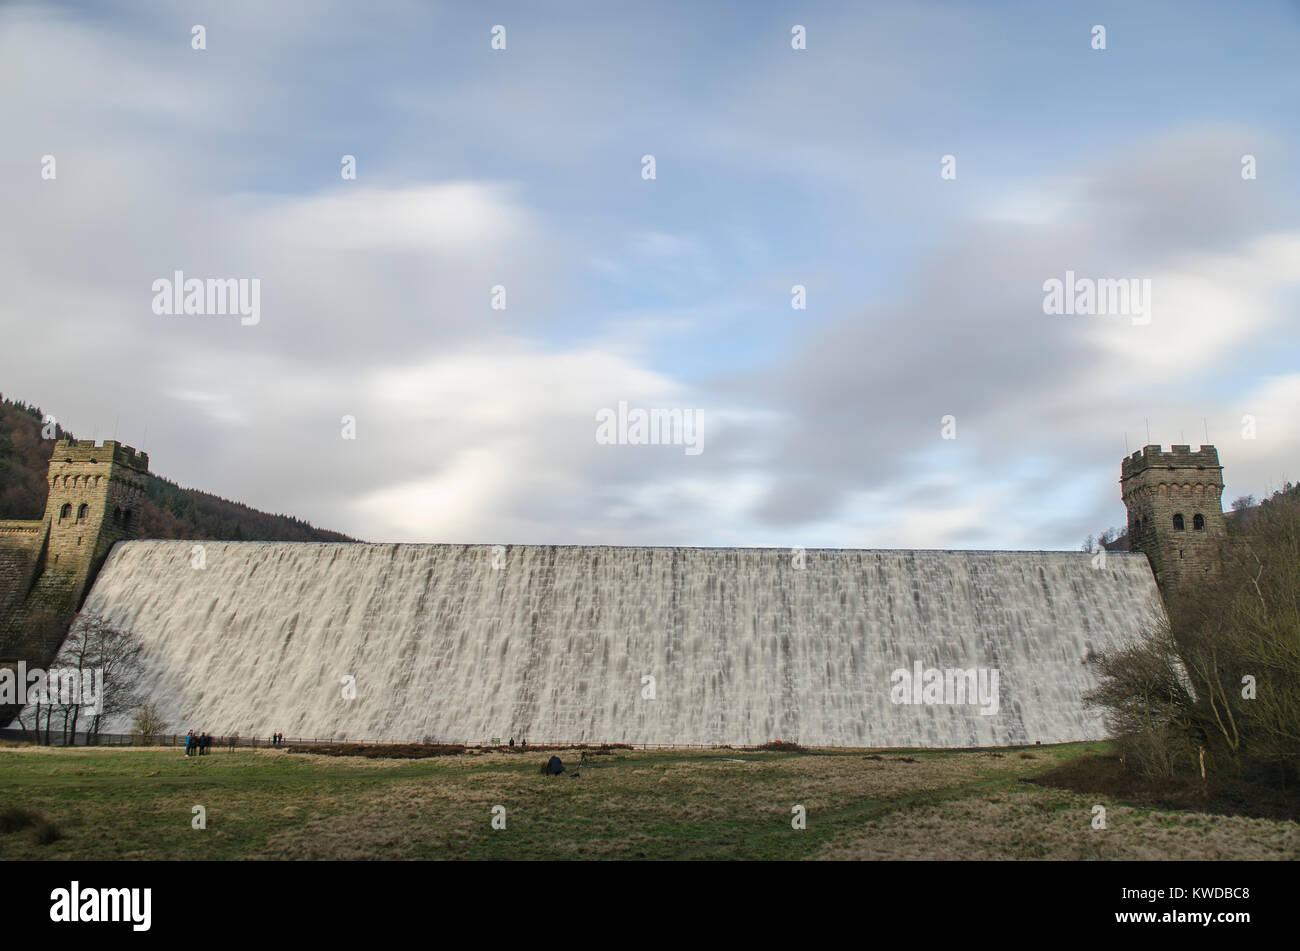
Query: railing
264	742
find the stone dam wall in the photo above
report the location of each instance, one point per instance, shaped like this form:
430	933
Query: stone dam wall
462	643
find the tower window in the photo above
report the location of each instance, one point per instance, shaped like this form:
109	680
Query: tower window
1178	523
82	511
126	519
66	511
1198	522
117	514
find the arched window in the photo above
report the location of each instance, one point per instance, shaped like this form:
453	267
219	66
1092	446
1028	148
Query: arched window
126	519
66	511
117	514
1198	522
1178	523
82	511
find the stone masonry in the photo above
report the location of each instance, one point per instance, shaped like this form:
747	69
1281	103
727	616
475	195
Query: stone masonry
1175	510
47	566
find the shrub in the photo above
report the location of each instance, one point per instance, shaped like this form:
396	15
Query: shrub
1220	676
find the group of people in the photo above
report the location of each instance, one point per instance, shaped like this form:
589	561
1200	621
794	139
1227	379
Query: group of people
197	744
277	739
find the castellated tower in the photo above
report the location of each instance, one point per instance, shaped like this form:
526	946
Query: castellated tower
46	567
94	501
1175	509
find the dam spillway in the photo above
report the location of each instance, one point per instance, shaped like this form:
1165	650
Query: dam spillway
463	643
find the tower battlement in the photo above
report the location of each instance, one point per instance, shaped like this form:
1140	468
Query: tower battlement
86	450
1178	457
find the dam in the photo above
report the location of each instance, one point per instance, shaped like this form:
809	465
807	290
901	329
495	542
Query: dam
673	646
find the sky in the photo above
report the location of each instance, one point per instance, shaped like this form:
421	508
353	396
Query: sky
920	170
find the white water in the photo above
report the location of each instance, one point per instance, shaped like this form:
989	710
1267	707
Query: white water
744	648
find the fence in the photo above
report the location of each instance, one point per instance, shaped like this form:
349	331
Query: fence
56	738
264	742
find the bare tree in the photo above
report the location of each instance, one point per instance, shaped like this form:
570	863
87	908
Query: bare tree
117	652
1216	687
149	723
105	656
39	628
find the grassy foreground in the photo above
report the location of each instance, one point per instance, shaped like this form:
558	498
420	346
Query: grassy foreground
718	804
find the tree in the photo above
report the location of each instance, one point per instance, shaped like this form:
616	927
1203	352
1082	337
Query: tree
1148	702
1233	639
118	652
99	649
38	629
1106	538
149	723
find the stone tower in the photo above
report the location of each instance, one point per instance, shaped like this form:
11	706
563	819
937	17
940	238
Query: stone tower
1175	509
95	496
94	501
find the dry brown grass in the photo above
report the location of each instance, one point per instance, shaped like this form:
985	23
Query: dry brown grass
1058	825
267	804
647	791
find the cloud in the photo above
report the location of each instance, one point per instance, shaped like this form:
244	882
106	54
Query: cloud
968	337
457	219
477	169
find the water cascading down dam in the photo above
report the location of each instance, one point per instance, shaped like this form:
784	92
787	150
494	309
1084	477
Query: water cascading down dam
463	643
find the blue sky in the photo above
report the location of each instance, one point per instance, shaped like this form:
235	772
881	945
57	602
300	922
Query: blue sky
775	167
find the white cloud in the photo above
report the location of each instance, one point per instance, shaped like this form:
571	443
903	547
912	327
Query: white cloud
460	219
1203	307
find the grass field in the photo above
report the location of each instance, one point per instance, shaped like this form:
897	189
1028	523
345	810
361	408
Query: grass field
719	804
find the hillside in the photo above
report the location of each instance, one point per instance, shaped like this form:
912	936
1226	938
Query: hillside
170	511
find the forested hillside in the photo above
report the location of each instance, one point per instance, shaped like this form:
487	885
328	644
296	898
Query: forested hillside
169	512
